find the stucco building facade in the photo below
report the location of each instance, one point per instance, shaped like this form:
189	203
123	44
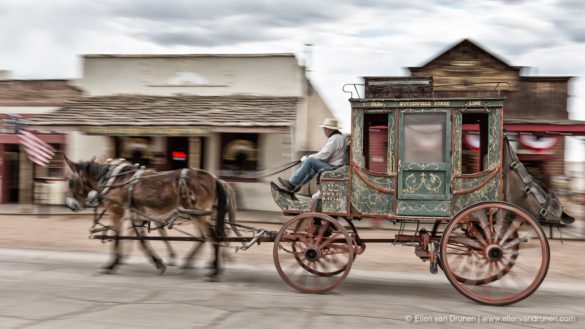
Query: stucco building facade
233	115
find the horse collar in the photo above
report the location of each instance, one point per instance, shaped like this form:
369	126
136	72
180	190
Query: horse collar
107	181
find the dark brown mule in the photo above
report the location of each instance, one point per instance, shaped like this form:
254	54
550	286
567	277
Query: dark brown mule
129	193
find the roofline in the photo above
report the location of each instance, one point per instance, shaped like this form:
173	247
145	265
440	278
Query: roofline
167	124
457	45
546	78
415	68
257	55
82	98
34	80
42	103
407	77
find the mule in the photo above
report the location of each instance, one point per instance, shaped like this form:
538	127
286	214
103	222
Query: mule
142	195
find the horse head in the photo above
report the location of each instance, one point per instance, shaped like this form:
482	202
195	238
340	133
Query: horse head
79	185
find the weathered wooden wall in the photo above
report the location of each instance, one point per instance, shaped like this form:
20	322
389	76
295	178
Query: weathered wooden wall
467	70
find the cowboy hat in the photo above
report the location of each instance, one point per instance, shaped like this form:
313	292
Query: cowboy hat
330	124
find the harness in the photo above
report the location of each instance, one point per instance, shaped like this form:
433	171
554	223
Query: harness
183	191
551	209
95	198
106	183
129	210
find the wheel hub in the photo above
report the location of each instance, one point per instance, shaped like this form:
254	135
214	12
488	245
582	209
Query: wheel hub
312	254
494	253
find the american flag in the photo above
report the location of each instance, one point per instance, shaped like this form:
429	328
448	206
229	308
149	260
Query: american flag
38	151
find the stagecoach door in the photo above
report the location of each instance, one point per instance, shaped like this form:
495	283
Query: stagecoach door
424	171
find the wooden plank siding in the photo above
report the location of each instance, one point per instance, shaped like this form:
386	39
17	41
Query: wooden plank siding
468	70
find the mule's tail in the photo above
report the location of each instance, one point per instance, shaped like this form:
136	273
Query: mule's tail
232	207
222	204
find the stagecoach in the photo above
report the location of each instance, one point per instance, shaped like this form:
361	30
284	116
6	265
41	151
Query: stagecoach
480	224
476	215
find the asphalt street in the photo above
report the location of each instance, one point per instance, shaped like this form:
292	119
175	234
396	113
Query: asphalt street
63	289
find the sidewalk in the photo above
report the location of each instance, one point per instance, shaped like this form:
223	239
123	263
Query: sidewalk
573	231
40	210
243	216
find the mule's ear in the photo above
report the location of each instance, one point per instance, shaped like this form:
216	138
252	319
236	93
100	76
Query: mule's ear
70	163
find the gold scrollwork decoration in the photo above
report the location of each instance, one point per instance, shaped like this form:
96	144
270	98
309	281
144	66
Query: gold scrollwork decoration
441	207
429	181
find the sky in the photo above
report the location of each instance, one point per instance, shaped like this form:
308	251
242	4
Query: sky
350	38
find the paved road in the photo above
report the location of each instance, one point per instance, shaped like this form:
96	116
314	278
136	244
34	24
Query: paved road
62	289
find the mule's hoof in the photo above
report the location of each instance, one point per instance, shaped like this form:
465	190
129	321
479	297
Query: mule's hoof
213	278
215	274
160	269
171	262
187	267
107	270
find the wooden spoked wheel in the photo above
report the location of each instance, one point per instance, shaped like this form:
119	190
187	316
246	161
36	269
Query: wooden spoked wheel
494	253
313	253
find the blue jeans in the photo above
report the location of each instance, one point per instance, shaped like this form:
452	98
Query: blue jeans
309	168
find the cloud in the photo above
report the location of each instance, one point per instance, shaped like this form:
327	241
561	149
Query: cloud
208	24
352	38
205	37
570	19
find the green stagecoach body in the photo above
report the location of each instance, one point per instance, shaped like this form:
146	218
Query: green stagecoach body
410	183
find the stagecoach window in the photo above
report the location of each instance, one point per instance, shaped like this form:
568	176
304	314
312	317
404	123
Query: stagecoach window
424	137
376	142
475	142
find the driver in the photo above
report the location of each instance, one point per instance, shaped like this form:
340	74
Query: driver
331	155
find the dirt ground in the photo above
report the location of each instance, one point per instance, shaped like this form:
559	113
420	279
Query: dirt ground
70	233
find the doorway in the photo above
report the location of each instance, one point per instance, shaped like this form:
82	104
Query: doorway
178	152
11	172
424	167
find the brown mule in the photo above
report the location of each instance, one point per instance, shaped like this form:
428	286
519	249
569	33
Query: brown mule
141	195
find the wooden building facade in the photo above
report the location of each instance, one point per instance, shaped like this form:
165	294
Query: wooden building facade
468	70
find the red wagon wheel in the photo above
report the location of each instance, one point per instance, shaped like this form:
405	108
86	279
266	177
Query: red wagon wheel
488	276
494	253
313	253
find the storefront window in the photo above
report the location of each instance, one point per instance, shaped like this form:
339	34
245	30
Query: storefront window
55	168
177	152
135	149
239	155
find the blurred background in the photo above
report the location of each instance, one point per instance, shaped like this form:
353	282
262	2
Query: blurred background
235	87
165	84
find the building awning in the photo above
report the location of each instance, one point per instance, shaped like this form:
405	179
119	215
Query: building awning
176	111
546	127
47	138
543	127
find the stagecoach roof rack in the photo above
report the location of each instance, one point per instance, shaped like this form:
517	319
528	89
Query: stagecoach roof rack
355	87
350	88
